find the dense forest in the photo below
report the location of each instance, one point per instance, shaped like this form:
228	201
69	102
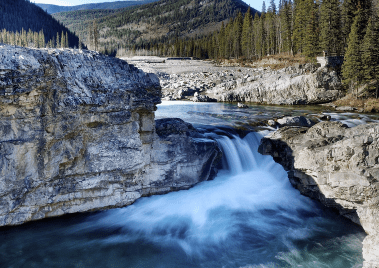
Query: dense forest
51	9
349	28
20	19
159	21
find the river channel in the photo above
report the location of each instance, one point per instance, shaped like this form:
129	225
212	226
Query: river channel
248	216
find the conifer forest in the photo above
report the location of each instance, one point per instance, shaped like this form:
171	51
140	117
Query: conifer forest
348	28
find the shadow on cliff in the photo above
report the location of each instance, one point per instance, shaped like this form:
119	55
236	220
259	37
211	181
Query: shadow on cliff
283	155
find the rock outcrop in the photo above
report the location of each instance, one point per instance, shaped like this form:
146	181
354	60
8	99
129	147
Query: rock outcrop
77	133
338	166
287	86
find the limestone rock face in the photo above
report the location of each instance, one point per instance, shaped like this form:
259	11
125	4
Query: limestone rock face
287	86
338	166
77	133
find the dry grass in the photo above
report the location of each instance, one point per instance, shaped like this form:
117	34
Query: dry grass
369	105
275	62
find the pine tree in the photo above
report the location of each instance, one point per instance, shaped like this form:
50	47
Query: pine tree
237	29
66	39
352	69
330	23
246	35
370	53
58	40
311	42
63	40
221	40
300	24
286	26
95	35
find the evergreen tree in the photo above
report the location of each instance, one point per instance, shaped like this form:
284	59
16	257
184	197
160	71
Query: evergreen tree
348	11
237	30
370	53
58	41
221	38
66	39
286	26
311	42
263	7
63	40
352	69
330	23
246	35
95	35
300	23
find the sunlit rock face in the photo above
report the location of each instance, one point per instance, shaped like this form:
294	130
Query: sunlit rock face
77	133
288	86
338	166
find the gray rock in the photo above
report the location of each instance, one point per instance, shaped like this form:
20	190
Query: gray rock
203	98
299	121
77	133
241	105
345	108
338	166
272	123
282	87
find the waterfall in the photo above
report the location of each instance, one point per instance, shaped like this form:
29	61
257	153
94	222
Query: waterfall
249	211
248	216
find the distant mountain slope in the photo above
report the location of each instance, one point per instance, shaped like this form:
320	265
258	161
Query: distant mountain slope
165	19
51	9
16	15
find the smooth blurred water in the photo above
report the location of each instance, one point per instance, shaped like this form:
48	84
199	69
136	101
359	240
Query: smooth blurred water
248	216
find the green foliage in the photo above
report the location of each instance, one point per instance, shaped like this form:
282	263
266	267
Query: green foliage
16	15
370	52
352	69
311	41
246	39
330	24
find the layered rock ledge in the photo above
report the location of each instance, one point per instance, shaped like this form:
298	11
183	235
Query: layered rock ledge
338	166
77	133
298	84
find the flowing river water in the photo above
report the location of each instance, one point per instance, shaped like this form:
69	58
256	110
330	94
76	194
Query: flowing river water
248	216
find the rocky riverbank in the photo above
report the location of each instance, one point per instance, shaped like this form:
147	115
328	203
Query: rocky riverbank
338	166
77	133
192	79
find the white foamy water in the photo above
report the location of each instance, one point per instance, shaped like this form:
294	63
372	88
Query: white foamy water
248	215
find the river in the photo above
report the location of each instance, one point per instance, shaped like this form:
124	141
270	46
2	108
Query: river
248	216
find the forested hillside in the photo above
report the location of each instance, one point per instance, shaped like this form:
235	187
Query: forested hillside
158	21
22	17
51	9
348	28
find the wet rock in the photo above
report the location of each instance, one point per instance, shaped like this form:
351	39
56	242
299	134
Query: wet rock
241	105
338	166
299	121
202	98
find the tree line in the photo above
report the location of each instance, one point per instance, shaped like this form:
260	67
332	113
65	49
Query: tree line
348	28
17	15
33	39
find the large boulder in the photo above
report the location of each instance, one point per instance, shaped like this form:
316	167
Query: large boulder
77	133
287	87
338	166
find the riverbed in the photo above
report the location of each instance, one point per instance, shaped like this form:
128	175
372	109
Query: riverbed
248	216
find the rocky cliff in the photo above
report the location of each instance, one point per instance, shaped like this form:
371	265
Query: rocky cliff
338	166
77	133
288	86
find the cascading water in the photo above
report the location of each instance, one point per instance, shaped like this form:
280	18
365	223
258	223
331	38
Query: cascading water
248	216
